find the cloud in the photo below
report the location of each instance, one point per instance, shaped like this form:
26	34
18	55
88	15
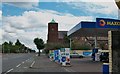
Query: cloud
76	0
0	25
32	24
27	4
100	8
20	0
58	0
0	14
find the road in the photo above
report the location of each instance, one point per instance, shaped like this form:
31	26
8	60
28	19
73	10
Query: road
10	61
33	63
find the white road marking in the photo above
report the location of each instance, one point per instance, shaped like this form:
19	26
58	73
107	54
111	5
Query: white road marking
32	64
25	67
69	70
27	60
23	62
36	54
8	71
18	65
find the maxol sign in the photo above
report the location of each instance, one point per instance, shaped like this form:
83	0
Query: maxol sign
107	23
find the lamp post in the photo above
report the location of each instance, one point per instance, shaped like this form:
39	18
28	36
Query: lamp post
70	43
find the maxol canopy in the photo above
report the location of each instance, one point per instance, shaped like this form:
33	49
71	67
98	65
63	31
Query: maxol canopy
99	28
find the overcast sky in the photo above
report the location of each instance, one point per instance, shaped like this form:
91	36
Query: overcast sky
28	20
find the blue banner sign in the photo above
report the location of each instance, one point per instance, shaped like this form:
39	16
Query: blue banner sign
56	55
107	23
87	53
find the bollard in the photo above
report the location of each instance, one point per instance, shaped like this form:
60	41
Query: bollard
105	68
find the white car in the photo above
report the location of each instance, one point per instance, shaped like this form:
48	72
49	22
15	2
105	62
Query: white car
76	55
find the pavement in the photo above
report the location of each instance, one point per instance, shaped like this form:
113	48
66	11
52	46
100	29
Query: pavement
33	63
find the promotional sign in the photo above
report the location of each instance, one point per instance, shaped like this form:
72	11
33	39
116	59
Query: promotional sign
51	55
65	56
59	56
56	55
107	23
67	51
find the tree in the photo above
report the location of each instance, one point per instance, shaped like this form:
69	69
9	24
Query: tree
10	43
10	46
39	44
19	45
66	41
5	47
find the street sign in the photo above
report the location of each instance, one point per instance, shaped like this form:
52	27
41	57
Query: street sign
107	23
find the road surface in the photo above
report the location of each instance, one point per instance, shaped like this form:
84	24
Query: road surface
10	61
33	63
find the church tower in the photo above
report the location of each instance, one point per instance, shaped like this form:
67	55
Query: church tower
52	32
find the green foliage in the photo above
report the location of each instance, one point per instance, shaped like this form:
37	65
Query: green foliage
8	47
18	43
66	39
39	44
5	47
55	46
79	46
46	51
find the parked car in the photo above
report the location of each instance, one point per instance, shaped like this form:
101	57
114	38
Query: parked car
76	55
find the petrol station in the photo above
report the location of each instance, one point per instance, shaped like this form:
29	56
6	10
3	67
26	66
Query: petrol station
101	28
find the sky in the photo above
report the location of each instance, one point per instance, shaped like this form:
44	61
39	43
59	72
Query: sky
27	20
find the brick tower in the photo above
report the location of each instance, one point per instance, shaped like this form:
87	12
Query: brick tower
52	32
